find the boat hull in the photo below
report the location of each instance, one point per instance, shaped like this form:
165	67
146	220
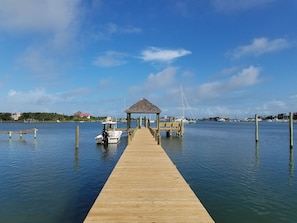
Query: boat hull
113	137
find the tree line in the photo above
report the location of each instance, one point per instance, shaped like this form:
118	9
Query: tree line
46	117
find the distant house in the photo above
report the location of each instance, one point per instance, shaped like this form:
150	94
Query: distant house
283	116
85	115
15	116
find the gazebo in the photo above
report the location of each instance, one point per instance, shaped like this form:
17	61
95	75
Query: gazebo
143	106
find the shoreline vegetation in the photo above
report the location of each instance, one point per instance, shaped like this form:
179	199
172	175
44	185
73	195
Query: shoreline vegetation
81	117
47	117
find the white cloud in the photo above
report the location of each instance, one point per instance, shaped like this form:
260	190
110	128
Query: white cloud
156	83
32	98
238	5
38	16
226	72
39	99
110	59
260	46
211	89
269	107
106	31
36	60
221	111
247	77
163	88
294	97
51	27
162	79
163	55
12	93
113	28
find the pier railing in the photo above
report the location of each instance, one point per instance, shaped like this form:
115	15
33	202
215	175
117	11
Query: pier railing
131	133
171	127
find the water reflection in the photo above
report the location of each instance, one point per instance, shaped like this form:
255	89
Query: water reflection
257	154
291	167
22	142
172	144
76	159
109	151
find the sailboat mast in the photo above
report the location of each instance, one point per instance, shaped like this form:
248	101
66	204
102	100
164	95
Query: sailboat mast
182	98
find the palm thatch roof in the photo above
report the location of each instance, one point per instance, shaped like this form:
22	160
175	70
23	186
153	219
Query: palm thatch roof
143	106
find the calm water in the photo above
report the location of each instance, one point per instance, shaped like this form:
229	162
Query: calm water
48	180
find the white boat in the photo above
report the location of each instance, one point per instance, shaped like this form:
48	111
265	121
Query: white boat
110	134
151	120
182	119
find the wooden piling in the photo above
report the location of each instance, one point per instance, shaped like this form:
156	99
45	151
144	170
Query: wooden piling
128	140
291	130
129	137
77	137
159	138
257	128
181	128
168	133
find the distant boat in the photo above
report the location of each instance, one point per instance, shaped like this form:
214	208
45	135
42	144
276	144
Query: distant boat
182	118
151	120
123	120
192	121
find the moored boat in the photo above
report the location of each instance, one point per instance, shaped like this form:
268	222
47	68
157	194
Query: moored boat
110	134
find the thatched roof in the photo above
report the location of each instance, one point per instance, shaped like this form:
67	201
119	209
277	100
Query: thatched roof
143	106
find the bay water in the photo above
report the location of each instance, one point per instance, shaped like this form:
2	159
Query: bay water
237	180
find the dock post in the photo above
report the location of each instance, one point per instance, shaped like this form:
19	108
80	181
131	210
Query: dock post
168	133
159	138
9	134
35	131
256	130
291	130
77	137
129	137
181	128
21	135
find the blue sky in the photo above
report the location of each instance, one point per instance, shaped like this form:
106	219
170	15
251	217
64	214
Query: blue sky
232	58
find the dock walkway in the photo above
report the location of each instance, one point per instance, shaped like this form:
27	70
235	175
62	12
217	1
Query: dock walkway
145	186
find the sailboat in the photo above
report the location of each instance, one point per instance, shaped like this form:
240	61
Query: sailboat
182	118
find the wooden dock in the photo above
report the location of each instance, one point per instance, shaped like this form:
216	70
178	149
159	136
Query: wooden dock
145	186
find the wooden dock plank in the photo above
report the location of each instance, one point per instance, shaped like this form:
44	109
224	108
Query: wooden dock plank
145	186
